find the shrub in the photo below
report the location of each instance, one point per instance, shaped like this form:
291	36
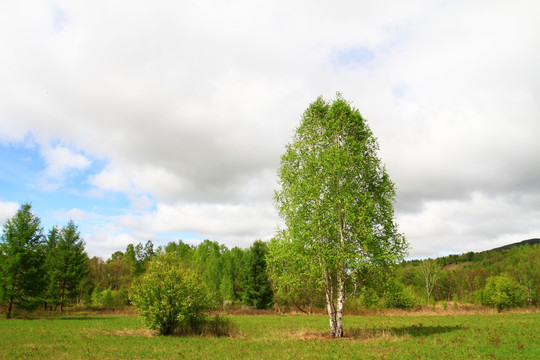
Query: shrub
502	292
444	304
369	299
170	295
109	299
398	296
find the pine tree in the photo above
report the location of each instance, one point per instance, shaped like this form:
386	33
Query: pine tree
22	274
257	291
68	264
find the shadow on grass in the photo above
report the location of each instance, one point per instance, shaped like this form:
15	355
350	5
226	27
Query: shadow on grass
420	330
414	330
80	318
215	326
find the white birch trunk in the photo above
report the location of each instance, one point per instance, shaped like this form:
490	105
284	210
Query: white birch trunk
330	304
339	309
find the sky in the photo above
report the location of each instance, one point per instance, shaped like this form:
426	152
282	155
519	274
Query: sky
166	120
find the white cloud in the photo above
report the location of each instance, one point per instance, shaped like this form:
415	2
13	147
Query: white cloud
479	222
106	244
7	210
194	102
74	214
60	162
231	224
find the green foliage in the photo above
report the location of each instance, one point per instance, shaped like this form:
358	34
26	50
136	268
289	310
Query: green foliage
257	291
369	298
464	277
207	260
22	274
67	263
502	292
337	200
109	299
430	271
221	270
170	294
294	279
397	296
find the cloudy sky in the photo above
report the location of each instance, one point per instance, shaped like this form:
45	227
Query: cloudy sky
166	119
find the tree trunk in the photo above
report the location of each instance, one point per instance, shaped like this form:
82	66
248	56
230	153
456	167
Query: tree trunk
62	296
11	299
10	307
339	310
297	306
330	304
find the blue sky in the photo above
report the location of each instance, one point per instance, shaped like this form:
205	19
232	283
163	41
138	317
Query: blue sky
167	120
25	178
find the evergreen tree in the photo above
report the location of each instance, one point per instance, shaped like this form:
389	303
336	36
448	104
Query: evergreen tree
22	275
68	264
257	290
50	253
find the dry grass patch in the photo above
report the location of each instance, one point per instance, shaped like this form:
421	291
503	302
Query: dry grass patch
356	334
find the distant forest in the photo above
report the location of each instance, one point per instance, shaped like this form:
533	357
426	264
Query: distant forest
52	271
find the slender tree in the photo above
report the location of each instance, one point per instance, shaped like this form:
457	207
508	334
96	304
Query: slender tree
51	245
430	272
22	275
336	199
69	264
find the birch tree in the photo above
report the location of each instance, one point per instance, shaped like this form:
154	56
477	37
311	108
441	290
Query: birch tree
336	200
430	271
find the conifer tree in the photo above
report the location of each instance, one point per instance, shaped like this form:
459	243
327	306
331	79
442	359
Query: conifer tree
257	290
22	274
68	264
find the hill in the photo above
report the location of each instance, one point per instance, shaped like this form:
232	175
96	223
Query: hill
521	243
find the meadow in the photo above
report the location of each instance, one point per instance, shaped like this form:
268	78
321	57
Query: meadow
493	336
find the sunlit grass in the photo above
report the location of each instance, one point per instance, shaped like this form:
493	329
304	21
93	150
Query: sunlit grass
499	336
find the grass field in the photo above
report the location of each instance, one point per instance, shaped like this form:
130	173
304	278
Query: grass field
492	336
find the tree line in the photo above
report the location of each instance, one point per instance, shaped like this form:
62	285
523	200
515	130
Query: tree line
53	271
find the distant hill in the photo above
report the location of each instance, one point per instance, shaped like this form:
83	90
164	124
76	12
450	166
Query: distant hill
472	256
524	242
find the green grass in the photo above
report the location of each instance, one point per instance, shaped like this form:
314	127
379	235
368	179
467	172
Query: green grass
497	336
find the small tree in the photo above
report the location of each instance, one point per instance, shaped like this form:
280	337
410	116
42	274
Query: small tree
502	292
170	294
430	271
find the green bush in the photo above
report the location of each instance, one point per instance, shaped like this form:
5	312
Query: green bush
398	296
170	295
502	292
110	299
369	299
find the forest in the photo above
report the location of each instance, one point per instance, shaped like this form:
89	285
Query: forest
51	272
